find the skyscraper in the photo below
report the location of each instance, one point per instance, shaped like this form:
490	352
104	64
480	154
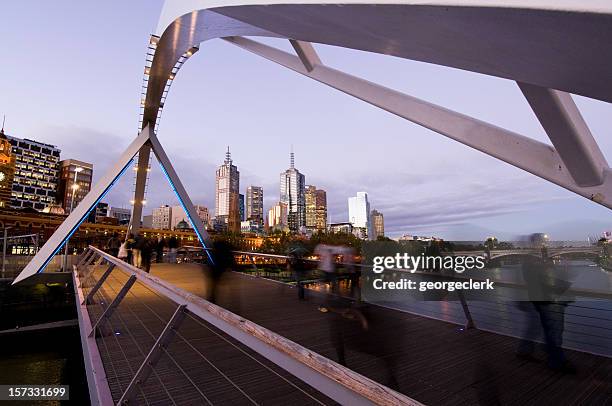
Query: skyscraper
359	213
227	186
241	207
292	193
71	169
378	224
254	204
36	174
316	208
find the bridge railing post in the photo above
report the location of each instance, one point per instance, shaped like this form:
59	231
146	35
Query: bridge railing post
84	257
113	305
98	284
466	310
153	356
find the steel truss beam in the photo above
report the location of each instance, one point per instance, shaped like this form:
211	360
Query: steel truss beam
80	213
145	142
538	158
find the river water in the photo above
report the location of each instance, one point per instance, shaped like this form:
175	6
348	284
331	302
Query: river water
588	320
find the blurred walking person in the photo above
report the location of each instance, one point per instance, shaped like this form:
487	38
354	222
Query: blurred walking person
544	293
297	267
172	249
139	243
223	259
327	265
146	254
159	250
123	252
113	244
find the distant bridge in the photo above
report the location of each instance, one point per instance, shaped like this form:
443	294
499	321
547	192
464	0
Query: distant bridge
548	253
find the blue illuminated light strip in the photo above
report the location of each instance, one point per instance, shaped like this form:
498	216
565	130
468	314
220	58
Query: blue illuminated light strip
187	212
75	228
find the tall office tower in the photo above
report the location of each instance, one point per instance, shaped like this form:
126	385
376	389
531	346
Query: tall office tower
359	213
71	170
36	174
241	207
292	193
378	224
254	204
227	185
7	170
162	217
277	216
316	208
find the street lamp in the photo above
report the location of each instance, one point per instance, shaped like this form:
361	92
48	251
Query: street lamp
74	187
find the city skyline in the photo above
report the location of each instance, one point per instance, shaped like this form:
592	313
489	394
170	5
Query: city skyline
445	189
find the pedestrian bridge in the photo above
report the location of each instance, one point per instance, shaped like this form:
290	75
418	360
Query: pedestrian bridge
153	339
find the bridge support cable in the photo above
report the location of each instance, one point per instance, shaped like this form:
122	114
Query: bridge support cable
538	158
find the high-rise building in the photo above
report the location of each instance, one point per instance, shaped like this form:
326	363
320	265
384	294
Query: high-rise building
71	169
121	214
227	186
7	170
292	193
36	174
359	213
316	208
162	217
254	204
378	224
241	207
277	216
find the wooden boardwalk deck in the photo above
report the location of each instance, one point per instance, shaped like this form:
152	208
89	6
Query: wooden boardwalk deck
431	361
223	370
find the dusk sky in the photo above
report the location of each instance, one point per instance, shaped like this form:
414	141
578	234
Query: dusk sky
71	75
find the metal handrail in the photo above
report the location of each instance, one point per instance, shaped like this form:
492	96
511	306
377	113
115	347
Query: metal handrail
588	293
325	375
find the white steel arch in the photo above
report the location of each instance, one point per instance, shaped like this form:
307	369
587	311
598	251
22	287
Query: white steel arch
550	48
